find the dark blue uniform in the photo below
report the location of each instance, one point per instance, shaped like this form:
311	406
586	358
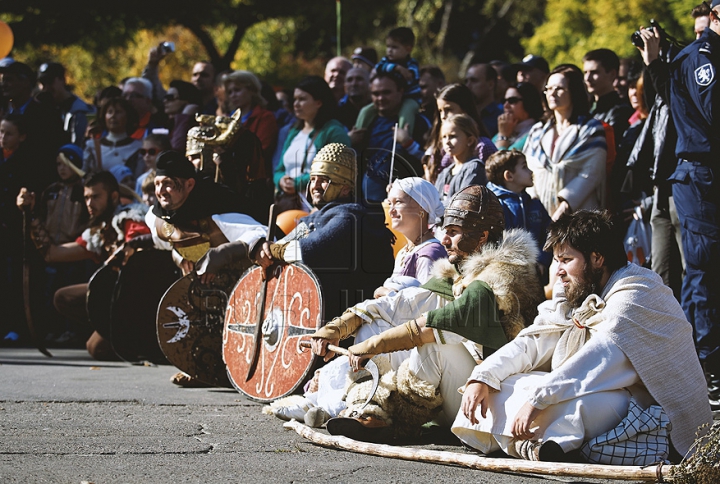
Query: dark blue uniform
695	102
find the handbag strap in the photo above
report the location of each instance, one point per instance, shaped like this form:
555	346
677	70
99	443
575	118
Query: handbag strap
307	150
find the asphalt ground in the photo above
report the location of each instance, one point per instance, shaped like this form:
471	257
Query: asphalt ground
71	419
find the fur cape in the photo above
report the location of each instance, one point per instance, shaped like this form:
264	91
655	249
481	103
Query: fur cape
509	267
95	237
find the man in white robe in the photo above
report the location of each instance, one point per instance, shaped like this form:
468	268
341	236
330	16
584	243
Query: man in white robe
611	332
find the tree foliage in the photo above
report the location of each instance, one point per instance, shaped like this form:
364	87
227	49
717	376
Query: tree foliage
282	40
573	28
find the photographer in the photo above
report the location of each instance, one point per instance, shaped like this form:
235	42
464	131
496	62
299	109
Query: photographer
694	102
654	154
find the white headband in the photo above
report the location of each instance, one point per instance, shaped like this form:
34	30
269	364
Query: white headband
424	193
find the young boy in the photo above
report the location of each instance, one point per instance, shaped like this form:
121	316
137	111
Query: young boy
508	176
398	46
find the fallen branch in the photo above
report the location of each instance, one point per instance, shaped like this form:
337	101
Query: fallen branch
626	473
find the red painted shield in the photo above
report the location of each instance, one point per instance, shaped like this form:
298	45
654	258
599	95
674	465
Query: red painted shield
293	309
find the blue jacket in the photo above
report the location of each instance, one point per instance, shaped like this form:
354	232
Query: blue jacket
695	99
527	213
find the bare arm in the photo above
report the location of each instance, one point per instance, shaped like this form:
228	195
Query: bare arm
70	252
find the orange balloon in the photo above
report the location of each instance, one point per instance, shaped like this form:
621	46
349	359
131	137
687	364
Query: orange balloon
6	39
288	220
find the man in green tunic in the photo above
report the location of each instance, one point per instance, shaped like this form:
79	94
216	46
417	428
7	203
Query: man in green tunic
479	298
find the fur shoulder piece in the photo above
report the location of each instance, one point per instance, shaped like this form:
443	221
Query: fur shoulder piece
134	211
510	269
443	269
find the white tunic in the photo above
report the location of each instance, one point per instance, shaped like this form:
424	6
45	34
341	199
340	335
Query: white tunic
585	397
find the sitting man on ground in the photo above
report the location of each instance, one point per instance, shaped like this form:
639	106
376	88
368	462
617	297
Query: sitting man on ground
479	298
602	341
111	226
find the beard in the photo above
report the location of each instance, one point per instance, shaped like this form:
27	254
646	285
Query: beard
105	216
577	292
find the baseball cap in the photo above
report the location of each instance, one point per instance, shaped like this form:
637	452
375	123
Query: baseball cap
73	153
120	172
367	55
533	62
714	3
50	70
20	70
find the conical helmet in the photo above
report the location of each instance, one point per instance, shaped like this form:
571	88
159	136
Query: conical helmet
476	209
337	162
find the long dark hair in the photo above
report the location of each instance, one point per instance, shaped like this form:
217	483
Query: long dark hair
589	231
532	102
461	95
320	91
576	85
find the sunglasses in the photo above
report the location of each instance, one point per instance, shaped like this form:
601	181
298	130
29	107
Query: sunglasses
151	151
170	98
512	100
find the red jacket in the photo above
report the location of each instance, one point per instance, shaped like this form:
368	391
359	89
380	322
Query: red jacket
262	124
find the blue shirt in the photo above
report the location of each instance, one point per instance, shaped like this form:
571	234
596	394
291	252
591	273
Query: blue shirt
526	213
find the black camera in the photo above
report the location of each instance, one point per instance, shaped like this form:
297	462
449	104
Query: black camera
665	38
637	39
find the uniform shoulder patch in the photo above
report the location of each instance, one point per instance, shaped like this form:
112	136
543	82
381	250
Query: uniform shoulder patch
705	74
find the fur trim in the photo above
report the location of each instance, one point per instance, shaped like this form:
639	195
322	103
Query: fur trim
134	211
94	241
283	402
357	393
418	391
510	269
443	269
414	404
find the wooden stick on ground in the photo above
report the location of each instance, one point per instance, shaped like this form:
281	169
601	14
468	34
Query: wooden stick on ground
626	473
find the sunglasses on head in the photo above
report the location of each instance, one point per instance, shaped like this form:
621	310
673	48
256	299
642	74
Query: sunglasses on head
151	151
169	97
512	100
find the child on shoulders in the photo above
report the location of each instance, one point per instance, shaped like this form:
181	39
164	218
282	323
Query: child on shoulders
399	44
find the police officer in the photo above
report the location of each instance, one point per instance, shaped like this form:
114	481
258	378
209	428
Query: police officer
695	102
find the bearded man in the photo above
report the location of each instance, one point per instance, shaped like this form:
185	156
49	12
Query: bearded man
613	331
111	225
479	298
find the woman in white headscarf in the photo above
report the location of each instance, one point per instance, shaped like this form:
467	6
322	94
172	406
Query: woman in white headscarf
415	207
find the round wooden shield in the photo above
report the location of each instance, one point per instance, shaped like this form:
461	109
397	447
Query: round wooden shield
99	299
143	280
190	320
293	309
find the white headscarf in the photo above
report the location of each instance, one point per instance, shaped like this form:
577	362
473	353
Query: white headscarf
425	194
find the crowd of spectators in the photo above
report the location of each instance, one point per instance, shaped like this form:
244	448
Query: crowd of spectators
549	140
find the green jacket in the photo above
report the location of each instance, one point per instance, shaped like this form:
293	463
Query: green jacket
331	132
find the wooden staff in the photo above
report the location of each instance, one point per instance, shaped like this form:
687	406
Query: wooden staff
98	152
479	462
392	156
